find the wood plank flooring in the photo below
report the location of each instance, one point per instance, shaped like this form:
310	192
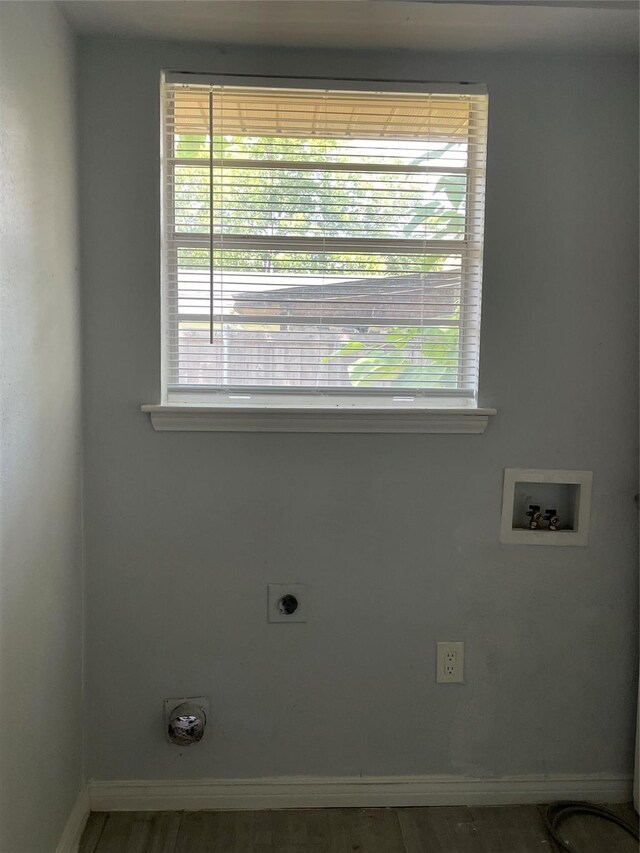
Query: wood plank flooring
504	829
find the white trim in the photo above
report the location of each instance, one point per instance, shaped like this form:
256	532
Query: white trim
360	792
70	839
316	419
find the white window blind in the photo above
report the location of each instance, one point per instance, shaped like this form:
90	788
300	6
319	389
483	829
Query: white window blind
323	241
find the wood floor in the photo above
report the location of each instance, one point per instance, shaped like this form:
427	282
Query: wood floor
504	829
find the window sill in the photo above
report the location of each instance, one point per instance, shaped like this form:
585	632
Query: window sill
353	419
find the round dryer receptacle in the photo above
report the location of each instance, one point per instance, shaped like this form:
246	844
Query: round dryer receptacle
288	605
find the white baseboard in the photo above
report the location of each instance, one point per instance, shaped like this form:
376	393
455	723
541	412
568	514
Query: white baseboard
70	840
360	792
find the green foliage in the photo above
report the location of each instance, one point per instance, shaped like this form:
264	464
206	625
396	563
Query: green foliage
310	202
414	357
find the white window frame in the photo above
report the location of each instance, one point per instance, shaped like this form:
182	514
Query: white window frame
301	410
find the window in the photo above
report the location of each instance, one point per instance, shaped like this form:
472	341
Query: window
322	243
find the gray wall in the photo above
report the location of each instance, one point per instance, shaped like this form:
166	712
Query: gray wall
397	536
40	446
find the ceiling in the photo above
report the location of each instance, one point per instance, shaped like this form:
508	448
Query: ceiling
488	25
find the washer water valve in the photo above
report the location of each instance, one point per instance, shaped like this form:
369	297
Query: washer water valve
551	515
534	516
185	723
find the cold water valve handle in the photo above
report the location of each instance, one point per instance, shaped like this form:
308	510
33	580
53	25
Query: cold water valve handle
551	515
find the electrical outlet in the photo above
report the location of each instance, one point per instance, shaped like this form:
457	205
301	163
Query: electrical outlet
450	663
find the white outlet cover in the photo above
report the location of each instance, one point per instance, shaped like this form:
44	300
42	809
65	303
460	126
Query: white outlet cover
276	591
170	704
444	651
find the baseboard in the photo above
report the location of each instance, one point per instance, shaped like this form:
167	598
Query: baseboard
70	840
320	792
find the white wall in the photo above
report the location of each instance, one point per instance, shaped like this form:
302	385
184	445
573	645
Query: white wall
40	518
397	536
